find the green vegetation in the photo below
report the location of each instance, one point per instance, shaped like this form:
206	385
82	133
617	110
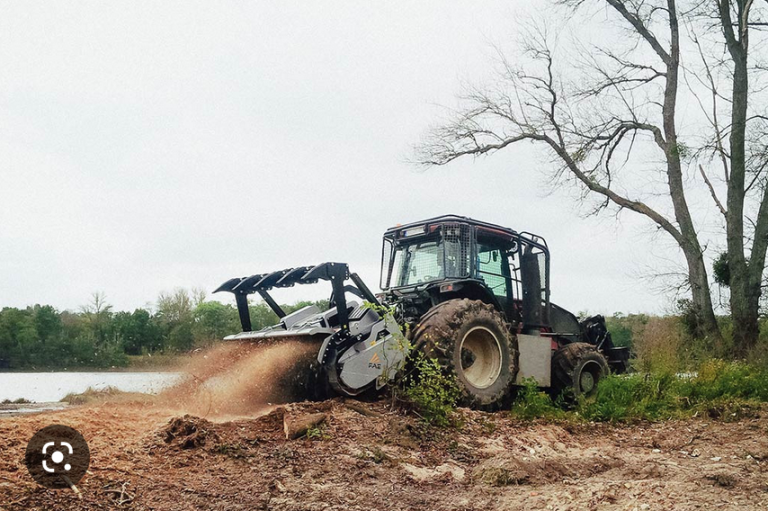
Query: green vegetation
532	403
431	393
723	390
674	344
41	337
317	432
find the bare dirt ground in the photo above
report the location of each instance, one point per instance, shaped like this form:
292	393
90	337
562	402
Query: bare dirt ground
214	442
367	457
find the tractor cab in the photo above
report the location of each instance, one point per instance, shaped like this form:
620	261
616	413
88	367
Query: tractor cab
454	257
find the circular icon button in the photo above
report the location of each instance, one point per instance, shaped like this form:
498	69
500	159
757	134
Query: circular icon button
57	456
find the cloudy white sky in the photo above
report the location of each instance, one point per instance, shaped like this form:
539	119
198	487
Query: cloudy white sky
151	145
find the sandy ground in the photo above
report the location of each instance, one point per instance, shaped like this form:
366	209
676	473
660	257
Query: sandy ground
146	456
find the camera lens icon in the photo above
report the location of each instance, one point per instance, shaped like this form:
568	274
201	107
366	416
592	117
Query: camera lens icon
57	456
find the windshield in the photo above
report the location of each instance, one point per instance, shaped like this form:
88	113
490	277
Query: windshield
425	261
418	263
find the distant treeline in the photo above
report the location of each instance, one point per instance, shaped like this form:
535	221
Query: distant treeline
42	337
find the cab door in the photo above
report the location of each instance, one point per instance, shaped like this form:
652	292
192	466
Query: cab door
496	267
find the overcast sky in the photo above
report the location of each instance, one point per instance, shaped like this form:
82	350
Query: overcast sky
151	145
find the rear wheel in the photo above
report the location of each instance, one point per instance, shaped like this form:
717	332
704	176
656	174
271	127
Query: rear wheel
471	341
578	367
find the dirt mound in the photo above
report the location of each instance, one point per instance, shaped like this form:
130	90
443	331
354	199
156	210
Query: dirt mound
510	469
188	432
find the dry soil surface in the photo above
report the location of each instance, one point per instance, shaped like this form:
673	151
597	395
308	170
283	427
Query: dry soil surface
367	457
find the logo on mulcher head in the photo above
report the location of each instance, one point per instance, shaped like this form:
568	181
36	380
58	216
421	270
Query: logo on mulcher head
57	456
374	362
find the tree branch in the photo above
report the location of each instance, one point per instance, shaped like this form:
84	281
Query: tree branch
641	29
712	191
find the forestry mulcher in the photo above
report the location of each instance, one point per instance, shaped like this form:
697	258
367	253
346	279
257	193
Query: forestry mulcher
471	294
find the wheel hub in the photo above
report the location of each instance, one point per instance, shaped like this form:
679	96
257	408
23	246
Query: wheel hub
480	354
587	382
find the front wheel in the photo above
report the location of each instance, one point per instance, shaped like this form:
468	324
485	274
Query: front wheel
578	367
471	341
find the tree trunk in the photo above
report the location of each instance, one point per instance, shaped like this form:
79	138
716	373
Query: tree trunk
744	314
689	242
745	288
702	299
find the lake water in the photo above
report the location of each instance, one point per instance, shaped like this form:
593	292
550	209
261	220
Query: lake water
47	387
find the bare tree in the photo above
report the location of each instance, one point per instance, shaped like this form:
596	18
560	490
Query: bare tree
744	164
613	128
97	313
176	306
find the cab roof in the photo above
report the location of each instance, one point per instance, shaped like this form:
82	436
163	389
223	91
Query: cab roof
452	219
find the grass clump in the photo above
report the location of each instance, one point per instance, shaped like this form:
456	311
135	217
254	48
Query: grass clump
718	379
721	390
91	395
633	397
532	403
432	394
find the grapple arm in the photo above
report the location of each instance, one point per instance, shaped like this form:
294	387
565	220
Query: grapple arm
262	283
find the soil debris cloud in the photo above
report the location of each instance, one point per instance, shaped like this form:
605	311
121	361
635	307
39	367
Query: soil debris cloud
240	379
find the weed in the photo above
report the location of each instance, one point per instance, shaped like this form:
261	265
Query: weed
724	391
431	392
318	432
635	397
531	403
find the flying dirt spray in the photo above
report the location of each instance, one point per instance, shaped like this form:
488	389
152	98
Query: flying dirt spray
244	378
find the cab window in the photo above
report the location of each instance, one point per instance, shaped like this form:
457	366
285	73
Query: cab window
490	263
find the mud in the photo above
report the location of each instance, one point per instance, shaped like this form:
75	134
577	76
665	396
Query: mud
369	457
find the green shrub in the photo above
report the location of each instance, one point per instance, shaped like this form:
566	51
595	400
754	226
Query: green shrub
433	394
633	397
531	403
718	379
721	390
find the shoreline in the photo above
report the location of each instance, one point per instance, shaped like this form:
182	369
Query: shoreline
148	369
157	363
16	409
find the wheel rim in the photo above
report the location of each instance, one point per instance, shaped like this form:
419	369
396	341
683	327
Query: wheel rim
480	357
590	375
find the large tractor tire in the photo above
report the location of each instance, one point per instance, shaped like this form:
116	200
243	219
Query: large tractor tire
472	342
578	368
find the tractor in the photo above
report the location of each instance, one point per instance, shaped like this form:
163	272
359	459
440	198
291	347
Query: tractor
473	295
